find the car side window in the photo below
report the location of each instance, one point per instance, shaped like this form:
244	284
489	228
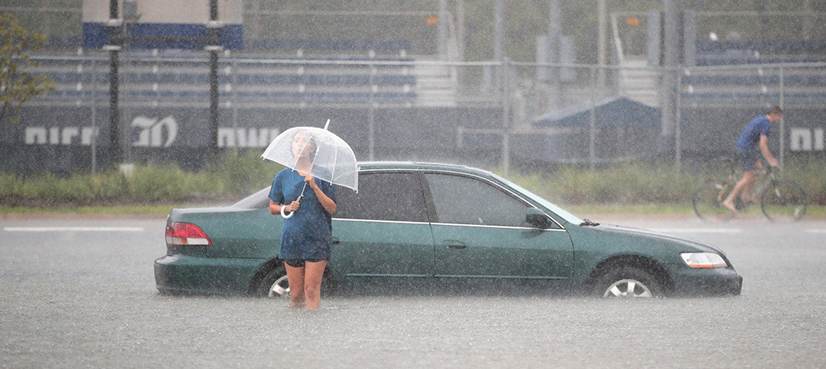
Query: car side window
465	200
384	196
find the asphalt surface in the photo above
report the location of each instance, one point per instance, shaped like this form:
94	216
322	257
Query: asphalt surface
72	297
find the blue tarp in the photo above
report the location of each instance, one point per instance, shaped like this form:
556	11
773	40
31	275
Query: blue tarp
613	112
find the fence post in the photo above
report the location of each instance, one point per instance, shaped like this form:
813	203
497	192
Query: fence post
678	127
371	115
506	104
782	120
234	101
214	45
592	145
94	115
115	41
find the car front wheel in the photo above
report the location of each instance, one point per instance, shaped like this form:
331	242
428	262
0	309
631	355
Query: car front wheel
627	282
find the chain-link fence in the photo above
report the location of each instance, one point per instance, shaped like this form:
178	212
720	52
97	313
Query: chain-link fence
488	114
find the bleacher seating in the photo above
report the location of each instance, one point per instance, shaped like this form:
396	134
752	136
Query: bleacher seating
246	78
711	53
329	46
757	81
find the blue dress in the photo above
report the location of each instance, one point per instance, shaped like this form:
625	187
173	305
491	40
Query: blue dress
308	234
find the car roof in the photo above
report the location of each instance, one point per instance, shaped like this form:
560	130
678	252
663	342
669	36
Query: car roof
410	165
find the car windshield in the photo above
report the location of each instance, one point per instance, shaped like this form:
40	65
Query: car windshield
570	218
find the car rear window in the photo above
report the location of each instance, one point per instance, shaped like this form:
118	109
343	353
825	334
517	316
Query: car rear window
389	196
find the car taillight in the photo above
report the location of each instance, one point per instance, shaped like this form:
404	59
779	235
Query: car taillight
186	234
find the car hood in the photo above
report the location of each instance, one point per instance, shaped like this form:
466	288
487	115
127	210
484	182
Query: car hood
645	233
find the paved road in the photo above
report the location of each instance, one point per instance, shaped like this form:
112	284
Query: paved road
85	297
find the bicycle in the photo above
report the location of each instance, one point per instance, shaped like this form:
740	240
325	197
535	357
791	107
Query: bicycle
780	199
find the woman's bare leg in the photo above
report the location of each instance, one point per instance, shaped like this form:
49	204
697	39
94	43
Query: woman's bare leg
295	276
313	274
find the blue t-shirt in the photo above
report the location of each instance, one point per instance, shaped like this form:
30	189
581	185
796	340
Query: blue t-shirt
308	234
751	135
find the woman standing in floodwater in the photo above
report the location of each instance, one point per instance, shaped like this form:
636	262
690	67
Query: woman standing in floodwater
306	237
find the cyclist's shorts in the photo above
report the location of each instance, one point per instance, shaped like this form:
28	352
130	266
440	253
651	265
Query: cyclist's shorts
748	158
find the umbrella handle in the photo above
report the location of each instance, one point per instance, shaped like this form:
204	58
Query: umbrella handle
285	216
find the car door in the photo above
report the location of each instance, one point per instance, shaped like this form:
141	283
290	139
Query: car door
383	231
479	231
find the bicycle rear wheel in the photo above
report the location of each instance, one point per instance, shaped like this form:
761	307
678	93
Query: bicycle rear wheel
708	200
784	200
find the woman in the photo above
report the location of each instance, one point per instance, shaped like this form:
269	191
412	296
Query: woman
306	237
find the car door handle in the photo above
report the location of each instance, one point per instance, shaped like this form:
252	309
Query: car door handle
454	245
336	241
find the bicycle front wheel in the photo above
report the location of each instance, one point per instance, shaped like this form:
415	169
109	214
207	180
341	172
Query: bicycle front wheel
708	200
783	201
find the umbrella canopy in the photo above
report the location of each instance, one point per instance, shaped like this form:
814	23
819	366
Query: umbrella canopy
333	160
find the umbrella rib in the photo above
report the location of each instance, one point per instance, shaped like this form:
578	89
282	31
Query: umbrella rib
335	158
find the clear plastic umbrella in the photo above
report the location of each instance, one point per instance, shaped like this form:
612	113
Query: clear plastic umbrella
333	160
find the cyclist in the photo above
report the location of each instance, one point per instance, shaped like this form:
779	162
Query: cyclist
755	137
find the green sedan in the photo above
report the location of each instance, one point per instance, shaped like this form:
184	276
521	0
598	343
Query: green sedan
438	227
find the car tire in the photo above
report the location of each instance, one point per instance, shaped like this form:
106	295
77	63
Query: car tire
617	282
276	285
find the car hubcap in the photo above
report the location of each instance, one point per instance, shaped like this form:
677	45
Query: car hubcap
628	288
280	288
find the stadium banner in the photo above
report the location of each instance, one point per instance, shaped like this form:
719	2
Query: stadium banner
164	24
59	138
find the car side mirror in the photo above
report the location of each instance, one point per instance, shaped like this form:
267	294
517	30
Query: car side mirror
537	218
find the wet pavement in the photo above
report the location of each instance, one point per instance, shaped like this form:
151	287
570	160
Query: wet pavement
87	298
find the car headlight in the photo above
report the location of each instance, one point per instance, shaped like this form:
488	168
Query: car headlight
704	260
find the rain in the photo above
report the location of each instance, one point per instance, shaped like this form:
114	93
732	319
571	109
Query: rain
494	183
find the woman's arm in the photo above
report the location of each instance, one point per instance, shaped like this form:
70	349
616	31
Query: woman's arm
276	208
326	202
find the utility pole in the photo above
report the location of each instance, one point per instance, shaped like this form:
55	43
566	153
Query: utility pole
499	37
442	40
115	42
602	40
555	39
670	63
807	19
460	28
213	46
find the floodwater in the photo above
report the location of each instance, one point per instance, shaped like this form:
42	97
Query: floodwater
86	298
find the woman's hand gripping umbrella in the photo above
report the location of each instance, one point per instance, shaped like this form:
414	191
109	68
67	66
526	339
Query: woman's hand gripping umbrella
314	152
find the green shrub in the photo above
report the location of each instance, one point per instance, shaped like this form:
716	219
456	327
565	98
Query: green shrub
625	183
170	183
244	173
236	175
809	174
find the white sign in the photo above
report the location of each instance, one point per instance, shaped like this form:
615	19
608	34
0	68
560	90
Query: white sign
59	135
152	131
246	137
805	139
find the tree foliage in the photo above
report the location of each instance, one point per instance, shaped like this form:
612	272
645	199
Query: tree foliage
17	83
